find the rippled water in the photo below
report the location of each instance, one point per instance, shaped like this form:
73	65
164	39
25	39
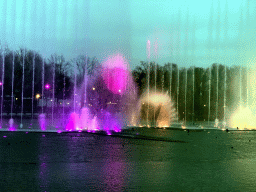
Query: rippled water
202	160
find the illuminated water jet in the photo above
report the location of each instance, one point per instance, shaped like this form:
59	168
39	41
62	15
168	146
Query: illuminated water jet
162	104
109	98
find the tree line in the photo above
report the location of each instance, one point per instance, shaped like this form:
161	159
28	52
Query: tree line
197	93
38	72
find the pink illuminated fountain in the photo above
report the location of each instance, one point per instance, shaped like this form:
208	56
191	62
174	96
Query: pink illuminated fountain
108	99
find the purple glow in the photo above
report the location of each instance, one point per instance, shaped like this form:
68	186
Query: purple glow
108	133
1	83
47	86
115	74
11	125
85	118
94	124
73	122
59	131
42	122
4	136
26	132
115	79
43	135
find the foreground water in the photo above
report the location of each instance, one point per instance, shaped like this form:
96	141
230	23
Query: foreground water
199	160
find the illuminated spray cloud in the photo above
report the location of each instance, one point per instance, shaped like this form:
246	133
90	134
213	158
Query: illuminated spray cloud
244	117
116	74
157	108
110	100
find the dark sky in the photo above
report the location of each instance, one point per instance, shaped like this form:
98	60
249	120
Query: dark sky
188	32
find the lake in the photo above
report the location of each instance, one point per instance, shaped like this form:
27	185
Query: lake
156	160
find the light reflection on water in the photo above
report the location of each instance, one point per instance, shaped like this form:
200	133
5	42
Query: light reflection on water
82	162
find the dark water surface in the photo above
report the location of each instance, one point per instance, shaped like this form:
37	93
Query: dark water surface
208	160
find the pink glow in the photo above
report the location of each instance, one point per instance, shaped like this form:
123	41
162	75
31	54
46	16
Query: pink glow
1	83
115	74
42	122
47	86
73	122
108	133
59	131
11	125
94	124
4	136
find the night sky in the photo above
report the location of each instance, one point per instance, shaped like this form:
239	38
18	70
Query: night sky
188	33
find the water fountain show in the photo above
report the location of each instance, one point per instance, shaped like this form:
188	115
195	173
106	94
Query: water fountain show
127	95
109	97
42	91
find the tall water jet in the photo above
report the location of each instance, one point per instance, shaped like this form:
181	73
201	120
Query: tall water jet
33	86
156	58
53	87
13	57
186	76
193	58
186	60
225	89
163	106
43	87
193	94
209	103
11	121
210	44
22	87
170	82
178	87
2	85
63	102
240	87
217	98
75	73
162	83
225	83
148	75
218	28
42	116
247	86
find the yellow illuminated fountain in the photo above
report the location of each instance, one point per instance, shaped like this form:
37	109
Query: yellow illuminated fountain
156	109
244	116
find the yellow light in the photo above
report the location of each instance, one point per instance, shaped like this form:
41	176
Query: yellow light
93	88
37	96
